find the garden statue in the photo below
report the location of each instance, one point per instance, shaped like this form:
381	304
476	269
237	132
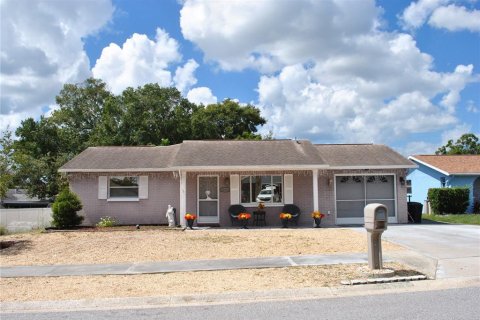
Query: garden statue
170	216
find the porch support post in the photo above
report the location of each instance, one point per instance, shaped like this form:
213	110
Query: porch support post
183	197
315	189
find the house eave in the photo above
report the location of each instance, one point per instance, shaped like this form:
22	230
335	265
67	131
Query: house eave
382	167
116	170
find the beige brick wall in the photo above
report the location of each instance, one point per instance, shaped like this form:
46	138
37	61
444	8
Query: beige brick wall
163	189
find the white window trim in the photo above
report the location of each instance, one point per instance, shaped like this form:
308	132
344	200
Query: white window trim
255	204
393	219
123	199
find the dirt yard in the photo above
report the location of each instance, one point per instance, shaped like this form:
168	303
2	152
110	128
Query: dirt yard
162	244
92	287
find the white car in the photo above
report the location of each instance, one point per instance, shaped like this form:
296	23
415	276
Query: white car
266	195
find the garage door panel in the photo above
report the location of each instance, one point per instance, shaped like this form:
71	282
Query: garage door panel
350	188
353	193
380	187
350	209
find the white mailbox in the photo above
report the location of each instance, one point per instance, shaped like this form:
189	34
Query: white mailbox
376	217
376	221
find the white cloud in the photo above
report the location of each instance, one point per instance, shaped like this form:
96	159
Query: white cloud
417	13
419	147
184	76
267	35
201	95
440	14
329	73
139	61
41	49
455	18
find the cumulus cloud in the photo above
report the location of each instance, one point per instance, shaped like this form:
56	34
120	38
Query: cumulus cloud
329	72
440	14
139	61
267	36
455	18
417	13
41	49
201	95
184	76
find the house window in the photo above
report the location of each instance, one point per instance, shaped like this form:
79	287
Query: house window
123	187
409	186
268	189
442	182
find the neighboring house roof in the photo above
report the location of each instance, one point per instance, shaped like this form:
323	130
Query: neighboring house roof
234	154
450	164
364	156
20	198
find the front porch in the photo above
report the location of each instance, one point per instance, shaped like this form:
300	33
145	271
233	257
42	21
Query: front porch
339	194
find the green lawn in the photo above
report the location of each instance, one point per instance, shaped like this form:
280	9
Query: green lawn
454	218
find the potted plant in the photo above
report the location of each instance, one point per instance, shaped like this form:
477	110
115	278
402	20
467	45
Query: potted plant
261	206
243	218
317	217
190	218
285	217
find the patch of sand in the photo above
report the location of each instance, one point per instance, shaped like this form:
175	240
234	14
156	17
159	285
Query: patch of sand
166	284
162	244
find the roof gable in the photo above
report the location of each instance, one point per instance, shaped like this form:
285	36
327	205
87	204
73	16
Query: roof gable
451	164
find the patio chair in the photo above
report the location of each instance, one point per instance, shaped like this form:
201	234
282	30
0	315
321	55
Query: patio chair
234	211
294	211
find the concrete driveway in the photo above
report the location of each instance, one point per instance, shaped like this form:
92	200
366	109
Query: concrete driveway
454	248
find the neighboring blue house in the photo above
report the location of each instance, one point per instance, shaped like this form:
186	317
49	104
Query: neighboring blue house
436	171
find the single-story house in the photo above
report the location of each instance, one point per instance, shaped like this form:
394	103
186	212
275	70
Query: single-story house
440	171
18	198
136	184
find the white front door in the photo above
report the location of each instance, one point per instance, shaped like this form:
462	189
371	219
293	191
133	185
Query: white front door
207	195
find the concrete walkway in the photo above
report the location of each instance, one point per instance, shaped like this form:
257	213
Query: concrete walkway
178	266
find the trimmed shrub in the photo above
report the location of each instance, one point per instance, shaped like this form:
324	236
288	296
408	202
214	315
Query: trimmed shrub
449	200
65	209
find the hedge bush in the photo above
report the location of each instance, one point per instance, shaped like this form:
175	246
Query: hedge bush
65	209
449	200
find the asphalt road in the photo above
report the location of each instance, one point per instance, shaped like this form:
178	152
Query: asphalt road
445	304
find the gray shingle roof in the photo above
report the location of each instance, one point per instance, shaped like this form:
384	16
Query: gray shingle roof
362	155
235	153
247	153
112	158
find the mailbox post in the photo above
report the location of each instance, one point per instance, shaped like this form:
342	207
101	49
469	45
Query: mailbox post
376	220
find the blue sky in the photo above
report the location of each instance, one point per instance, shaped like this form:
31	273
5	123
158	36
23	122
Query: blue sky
402	73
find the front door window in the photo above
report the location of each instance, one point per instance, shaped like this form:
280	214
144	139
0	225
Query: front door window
208	199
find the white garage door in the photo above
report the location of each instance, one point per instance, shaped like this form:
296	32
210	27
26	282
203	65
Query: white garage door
353	193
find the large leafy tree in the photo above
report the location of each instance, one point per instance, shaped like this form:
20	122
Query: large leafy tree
466	144
7	169
90	115
227	120
154	115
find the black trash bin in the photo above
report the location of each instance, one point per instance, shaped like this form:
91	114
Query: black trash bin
415	212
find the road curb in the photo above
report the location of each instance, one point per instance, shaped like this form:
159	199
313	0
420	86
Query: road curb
235	297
